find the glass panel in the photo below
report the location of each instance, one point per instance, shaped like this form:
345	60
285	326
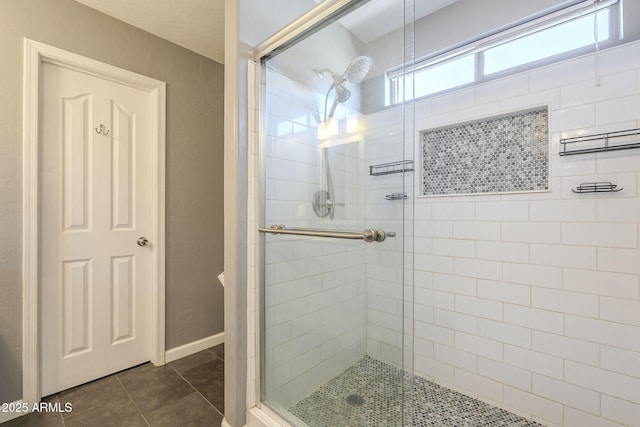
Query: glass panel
548	42
336	346
445	75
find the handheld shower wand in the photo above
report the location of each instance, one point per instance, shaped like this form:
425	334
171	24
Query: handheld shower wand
323	200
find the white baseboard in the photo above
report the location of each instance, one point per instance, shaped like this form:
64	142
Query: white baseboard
225	423
193	347
6	416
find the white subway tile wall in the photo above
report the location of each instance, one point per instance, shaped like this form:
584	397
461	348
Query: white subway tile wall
532	301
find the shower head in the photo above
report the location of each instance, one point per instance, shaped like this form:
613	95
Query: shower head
342	93
357	70
354	74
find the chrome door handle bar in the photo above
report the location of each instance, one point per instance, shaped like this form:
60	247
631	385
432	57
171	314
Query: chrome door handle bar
368	235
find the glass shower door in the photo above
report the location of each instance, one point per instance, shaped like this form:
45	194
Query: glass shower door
336	226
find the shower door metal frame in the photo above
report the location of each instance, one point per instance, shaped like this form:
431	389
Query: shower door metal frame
317	18
261	189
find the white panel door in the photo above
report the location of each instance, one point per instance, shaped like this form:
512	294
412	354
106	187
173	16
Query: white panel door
95	202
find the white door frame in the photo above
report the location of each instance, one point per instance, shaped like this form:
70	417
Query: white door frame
36	53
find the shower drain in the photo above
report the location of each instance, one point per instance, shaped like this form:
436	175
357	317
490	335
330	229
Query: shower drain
355	400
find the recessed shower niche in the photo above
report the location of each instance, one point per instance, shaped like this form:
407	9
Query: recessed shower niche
499	154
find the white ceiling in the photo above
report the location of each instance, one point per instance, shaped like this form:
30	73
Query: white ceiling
375	18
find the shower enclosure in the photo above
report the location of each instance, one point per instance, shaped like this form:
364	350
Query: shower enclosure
336	190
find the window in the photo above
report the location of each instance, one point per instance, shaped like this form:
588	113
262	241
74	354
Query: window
553	39
456	72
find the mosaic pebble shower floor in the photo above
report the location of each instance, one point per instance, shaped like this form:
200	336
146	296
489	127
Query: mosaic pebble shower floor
339	402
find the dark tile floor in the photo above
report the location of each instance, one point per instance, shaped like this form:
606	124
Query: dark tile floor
186	392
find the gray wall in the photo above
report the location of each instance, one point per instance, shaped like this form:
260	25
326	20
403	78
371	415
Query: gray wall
194	214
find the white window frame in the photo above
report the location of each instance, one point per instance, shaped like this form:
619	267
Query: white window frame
395	77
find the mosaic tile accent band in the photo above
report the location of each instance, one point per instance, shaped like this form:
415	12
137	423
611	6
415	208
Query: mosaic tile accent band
507	153
370	393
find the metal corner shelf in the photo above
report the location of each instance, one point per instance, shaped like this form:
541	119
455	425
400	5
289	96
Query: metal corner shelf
389	168
605	137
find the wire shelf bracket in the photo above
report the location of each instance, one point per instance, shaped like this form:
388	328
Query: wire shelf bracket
597	187
622	140
396	196
389	168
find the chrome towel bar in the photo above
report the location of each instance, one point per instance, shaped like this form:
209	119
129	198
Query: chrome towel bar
369	235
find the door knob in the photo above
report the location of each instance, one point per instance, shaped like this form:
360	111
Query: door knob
143	241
